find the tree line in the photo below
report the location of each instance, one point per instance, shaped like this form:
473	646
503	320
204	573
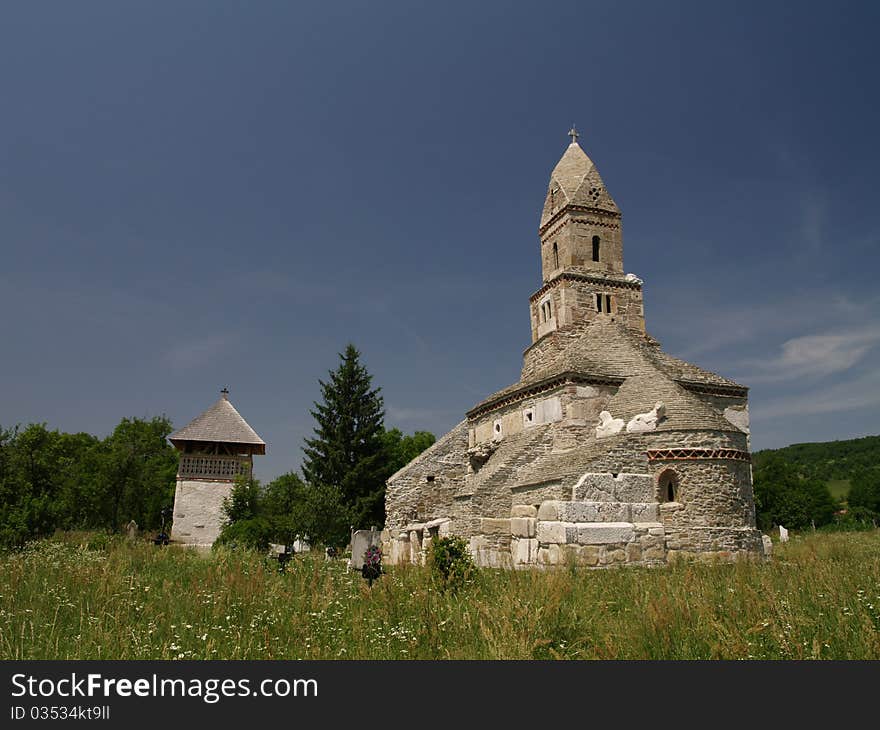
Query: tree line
791	484
347	462
51	480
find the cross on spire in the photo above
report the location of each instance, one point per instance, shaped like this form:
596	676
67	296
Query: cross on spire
573	133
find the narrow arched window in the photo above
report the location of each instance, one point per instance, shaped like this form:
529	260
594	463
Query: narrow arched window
668	486
555	256
595	248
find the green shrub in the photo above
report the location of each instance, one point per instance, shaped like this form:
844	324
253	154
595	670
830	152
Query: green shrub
451	561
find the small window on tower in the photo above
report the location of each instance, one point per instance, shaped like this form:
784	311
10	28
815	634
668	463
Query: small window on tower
555	256
595	248
608	303
598	302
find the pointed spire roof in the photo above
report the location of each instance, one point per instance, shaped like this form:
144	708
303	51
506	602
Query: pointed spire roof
576	181
221	423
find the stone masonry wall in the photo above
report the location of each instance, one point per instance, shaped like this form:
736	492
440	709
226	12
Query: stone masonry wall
426	487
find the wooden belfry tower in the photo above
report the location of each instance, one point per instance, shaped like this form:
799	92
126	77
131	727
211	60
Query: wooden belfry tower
215	448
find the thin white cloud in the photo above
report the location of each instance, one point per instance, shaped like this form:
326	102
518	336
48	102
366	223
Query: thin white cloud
816	355
859	393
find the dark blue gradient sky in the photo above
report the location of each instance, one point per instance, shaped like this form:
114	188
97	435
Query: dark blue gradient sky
199	194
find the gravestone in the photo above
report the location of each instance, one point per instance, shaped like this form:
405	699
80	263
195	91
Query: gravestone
131	530
783	534
360	541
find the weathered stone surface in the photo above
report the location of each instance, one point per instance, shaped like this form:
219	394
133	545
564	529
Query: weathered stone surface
523	510
524	551
598	533
549	510
610	487
522	526
435	523
589	554
644	512
768	545
552	532
495	526
415	547
739	417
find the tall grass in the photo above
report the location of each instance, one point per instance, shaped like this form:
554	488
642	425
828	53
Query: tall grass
819	598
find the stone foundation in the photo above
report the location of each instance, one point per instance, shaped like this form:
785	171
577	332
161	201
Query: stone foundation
582	533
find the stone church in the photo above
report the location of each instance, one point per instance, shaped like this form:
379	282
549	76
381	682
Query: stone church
608	450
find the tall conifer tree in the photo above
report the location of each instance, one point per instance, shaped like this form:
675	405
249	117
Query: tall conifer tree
348	450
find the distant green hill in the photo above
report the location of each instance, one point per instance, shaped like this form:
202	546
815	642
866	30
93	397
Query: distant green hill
833	462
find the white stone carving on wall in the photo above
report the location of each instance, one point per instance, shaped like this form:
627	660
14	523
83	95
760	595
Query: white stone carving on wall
647	421
608	425
633	278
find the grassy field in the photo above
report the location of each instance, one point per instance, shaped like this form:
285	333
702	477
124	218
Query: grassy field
819	598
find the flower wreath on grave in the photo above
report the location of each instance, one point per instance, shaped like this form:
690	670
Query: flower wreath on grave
372	567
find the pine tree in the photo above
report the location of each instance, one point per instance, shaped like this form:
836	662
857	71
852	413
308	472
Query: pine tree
348	451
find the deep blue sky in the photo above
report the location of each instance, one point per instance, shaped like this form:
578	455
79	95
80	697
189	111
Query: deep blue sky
205	194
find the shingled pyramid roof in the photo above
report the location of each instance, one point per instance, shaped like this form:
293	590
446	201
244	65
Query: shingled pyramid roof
577	177
221	423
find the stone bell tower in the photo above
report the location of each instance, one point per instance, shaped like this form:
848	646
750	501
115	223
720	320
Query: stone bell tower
216	447
582	252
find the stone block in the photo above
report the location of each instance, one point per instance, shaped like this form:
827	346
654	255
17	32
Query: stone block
579	511
654	553
589	555
616	556
523	510
477	543
552	532
633	552
495	526
613	512
549	510
633	487
644	512
522	526
524	552
603	533
594	486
